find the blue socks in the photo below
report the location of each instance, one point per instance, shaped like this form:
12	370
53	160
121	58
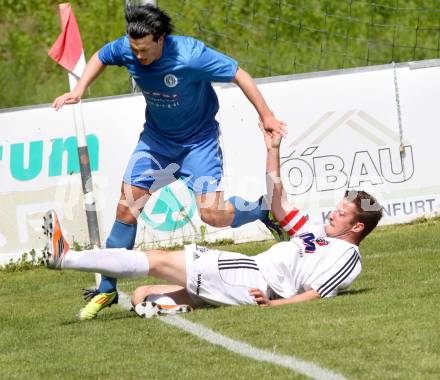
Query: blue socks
122	235
246	212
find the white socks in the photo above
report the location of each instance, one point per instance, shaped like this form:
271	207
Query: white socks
111	262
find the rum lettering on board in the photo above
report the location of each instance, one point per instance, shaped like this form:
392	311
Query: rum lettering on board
26	159
26	171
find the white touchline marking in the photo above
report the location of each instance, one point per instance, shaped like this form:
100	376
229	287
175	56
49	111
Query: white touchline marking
305	368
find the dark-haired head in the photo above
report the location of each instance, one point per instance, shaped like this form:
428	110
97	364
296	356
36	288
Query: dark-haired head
143	20
369	211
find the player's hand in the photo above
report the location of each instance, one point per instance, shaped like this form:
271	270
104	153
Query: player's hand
272	125
67	98
259	296
271	140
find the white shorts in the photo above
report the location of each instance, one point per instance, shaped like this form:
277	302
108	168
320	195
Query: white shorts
220	277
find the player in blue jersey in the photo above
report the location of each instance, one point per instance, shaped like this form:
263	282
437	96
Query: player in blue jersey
180	138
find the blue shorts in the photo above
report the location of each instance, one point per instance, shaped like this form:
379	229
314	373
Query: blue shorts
157	161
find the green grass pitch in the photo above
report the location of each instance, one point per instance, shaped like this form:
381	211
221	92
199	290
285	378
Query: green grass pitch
386	326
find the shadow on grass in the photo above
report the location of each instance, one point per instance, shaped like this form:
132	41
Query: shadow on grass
124	314
354	291
102	318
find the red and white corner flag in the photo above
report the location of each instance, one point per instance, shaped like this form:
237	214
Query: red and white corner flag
68	52
68	48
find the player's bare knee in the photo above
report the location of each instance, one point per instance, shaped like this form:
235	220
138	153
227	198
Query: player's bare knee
211	216
124	214
131	203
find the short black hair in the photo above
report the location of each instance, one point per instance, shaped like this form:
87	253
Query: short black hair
369	211
143	20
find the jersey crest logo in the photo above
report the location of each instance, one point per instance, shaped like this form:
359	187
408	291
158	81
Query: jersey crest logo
170	80
322	242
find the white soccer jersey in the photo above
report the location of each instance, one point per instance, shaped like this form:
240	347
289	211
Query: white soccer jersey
310	260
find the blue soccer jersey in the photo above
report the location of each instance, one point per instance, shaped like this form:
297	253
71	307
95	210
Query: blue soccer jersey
181	103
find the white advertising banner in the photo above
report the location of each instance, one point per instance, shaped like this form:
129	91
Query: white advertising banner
39	168
344	133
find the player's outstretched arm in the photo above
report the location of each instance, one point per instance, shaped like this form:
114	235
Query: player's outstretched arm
93	68
279	204
262	300
247	85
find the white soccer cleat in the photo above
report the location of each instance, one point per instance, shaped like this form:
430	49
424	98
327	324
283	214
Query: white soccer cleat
56	246
149	309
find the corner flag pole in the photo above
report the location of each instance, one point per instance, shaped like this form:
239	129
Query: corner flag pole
86	173
68	52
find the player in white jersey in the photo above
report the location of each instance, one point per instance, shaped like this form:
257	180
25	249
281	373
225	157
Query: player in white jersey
316	262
